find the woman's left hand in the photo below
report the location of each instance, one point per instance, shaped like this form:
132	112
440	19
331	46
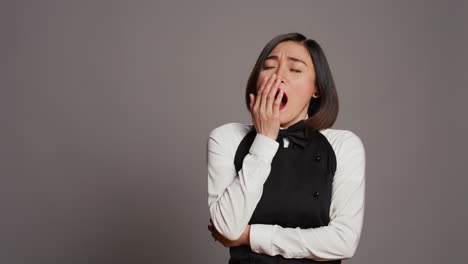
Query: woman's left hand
243	240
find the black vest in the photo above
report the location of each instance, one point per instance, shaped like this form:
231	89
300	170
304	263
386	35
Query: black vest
297	192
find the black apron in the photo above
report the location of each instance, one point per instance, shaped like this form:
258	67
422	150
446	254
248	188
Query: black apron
297	192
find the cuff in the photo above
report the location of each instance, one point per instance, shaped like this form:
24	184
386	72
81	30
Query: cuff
260	239
264	147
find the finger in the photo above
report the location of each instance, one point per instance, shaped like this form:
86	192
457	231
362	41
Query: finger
216	236
213	235
277	103
265	92
271	96
266	89
258	98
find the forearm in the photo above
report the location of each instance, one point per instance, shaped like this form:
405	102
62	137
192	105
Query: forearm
338	240
232	204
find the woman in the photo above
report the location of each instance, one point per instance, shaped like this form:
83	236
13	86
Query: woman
287	188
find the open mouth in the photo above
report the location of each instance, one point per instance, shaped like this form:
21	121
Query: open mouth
284	100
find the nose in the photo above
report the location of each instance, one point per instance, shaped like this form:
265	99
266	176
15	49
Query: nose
281	72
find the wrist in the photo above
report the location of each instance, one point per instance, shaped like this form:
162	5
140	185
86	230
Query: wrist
273	137
247	236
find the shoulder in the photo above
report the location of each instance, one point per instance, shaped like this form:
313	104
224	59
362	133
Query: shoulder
228	136
232	129
343	141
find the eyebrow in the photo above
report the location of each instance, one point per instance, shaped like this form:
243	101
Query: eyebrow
274	57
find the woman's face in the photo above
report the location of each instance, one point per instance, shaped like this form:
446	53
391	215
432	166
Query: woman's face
292	63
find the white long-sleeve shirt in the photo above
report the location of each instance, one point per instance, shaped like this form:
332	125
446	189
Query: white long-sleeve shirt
233	197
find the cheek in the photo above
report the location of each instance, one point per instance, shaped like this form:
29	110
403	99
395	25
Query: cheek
304	88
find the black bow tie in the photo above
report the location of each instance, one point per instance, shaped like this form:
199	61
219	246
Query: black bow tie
296	133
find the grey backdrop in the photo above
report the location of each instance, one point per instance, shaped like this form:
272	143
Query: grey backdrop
106	107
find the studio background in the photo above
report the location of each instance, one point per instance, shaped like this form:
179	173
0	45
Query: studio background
106	107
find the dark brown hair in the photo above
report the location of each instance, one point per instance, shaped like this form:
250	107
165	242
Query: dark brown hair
322	110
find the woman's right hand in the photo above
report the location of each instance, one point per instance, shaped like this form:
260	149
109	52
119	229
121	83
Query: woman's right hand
265	108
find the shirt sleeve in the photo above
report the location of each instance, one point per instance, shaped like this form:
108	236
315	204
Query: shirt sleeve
233	196
337	240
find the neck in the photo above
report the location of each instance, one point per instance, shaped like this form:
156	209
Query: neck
285	126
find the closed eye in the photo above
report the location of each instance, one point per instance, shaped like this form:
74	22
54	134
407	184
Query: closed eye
294	70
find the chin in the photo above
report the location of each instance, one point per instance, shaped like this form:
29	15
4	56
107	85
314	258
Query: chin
285	119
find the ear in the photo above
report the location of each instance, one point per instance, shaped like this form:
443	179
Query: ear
313	93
